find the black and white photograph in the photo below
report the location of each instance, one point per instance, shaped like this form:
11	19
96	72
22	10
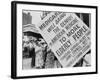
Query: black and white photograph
53	39
37	53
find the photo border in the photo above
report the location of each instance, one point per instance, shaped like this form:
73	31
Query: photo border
14	38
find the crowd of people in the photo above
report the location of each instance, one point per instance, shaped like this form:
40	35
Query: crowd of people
39	52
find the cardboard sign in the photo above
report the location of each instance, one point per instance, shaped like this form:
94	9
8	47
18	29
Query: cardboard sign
67	35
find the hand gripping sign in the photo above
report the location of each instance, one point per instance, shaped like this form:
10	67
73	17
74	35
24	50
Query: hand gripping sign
67	35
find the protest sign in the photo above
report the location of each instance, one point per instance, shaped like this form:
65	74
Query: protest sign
67	35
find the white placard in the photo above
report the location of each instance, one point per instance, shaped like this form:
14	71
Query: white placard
67	35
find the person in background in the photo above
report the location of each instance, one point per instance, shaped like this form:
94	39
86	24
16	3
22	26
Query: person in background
32	53
31	50
39	55
49	59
